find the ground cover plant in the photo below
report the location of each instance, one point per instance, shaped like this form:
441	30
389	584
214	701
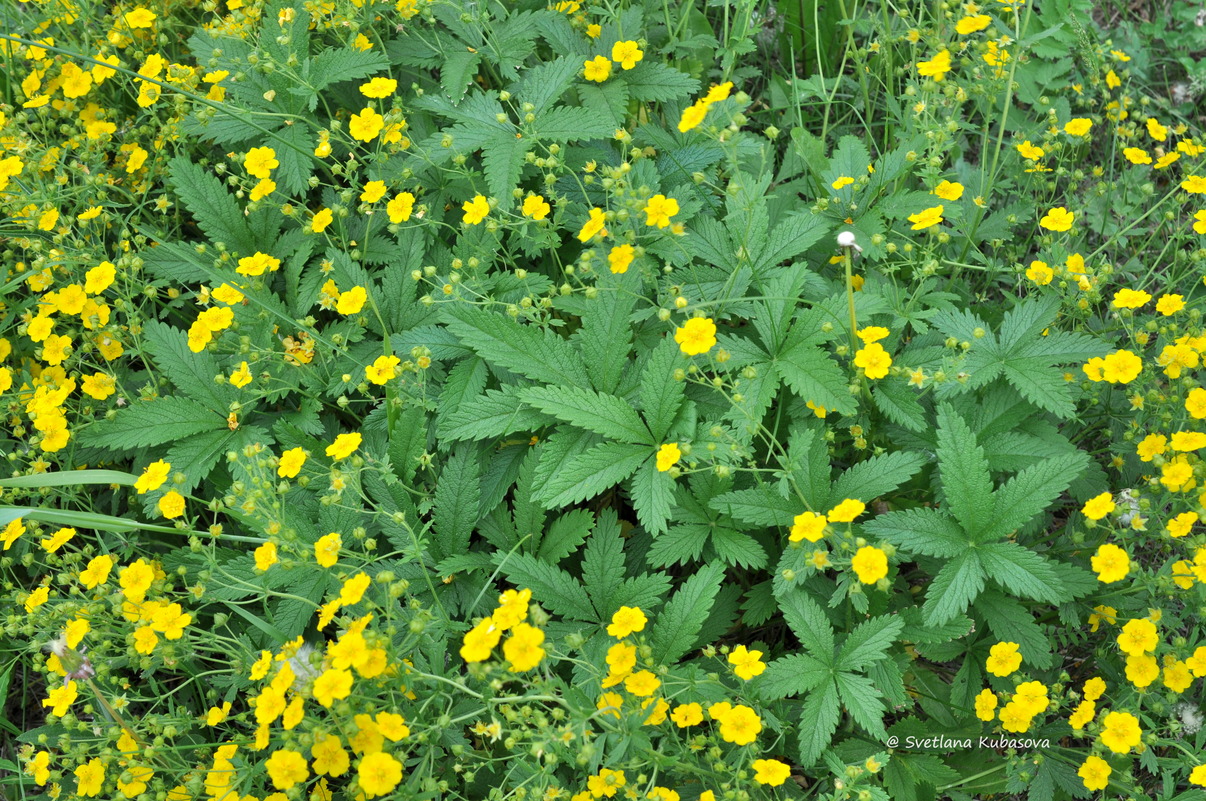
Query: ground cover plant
632	400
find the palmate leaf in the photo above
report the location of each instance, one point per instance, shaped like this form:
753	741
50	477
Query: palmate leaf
661	396
790	675
924	531
818	721
496	413
876	476
652	494
215	210
869	642
1031	491
456	503
863	702
192	373
606	337
1021	572
808	622
557	590
603	564
815	377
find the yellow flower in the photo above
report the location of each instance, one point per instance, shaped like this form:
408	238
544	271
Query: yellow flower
1138	637
685	715
262	189
948	190
1057	219
91	775
1040	273
291	462
972	23
1095	773
870	564
746	663
597	69
383	370
593	226
1196	776
373	191
97	572
926	218
627	620
366	125
1182	524
326	549
874	360
1003	659
321	219
1110	563
242	376
287	768
480	641
770	772
257	263
1098	507
1155	130
1130	299
626	54
475	210
842	182
171	505
536	207
846	511
139	17
692	116
986	705
352	301
265	556
1121	732
400	208
1078	127
260	162
659	209
153	476
1136	155
808	526
668	456
937	67
379	87
620	258
1169	305
332	685
344	446
740	725
696	336
522	649
1194	184
610	704
642	684
378	774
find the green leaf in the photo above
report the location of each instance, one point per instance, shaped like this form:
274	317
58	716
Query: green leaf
1021	571
899	404
818	721
679	545
680	621
760	506
924	531
192	373
594	411
876	476
965	479
807	620
1011	622
539	355
652	494
565	535
815	377
869	642
586	475
496	413
557	590
570	124
146	424
808	460
457	71
407	443
215	210
789	238
603	564
956	585
456	503
863	702
543	84
90	520
197	455
71	478
790	675
651	81
344	64
606	338
738	549
503	159
1031	491
1041	386
661	396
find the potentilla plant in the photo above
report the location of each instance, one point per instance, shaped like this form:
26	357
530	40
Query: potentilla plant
548	400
